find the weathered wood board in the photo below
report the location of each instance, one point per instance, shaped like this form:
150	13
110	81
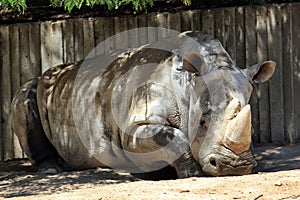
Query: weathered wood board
250	35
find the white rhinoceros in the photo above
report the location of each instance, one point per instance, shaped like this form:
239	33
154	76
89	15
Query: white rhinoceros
150	108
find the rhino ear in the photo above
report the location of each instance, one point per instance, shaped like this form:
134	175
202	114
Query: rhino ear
194	62
260	73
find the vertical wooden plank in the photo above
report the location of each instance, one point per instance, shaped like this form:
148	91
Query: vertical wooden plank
186	18
162	20
1	134
208	22
1	66
4	88
78	39
121	41
108	35
143	33
35	51
17	34
196	22
15	57
99	27
46	47
51	45
133	32
7	137
289	104
229	32
251	58
88	37
240	37
27	71
174	21
68	41
219	24
296	64
57	44
276	83
262	49
152	32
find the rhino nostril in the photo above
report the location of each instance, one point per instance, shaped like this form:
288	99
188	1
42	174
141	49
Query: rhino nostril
213	162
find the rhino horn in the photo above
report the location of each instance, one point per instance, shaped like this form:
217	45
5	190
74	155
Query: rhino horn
237	135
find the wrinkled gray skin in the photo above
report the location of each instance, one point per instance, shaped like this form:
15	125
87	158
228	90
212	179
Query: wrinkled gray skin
182	112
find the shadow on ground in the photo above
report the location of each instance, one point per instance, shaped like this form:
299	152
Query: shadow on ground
21	180
17	178
274	158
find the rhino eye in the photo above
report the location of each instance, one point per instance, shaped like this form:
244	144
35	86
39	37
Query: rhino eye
202	122
224	67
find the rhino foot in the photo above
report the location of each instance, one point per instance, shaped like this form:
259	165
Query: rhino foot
186	166
189	173
48	171
49	167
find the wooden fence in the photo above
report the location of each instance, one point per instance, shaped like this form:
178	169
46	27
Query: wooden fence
250	35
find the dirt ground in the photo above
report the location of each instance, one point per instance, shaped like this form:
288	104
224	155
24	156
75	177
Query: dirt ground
276	177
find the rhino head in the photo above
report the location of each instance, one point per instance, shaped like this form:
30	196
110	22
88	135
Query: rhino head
222	132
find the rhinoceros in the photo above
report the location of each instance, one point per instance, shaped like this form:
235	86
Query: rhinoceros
151	108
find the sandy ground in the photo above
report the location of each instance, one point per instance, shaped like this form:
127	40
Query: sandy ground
276	177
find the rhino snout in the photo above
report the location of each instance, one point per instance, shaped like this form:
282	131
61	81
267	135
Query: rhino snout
226	162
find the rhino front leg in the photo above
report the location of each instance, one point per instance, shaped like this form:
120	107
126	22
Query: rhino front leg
152	147
187	166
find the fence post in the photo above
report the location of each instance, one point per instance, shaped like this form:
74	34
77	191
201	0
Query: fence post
262	50
276	84
288	78
296	64
1	67
251	58
7	137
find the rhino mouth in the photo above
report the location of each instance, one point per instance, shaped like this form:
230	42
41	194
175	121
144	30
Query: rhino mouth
242	165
